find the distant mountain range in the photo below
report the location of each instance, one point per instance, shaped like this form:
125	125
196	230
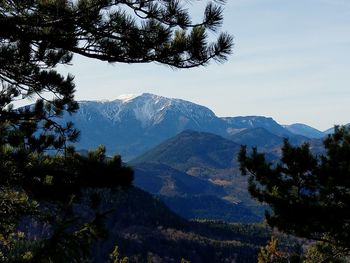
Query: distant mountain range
186	155
132	125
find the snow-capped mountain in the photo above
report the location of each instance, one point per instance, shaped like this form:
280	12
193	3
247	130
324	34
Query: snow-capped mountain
148	109
131	125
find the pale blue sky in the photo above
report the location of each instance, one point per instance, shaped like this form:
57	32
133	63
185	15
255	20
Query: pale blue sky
291	62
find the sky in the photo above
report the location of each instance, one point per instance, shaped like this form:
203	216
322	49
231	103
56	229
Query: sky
291	62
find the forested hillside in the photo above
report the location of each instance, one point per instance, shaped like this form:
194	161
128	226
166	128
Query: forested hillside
144	227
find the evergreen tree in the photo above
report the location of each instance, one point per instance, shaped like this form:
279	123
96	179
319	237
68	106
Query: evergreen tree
309	195
35	37
322	252
271	254
38	35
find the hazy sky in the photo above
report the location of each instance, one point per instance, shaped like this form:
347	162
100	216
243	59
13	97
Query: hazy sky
291	62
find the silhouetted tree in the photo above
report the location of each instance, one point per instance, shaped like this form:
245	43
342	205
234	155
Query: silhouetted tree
35	37
309	195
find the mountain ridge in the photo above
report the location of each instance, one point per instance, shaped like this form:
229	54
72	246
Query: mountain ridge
192	146
131	125
305	130
206	165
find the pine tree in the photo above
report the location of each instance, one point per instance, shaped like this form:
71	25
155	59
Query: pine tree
271	254
36	36
321	252
309	195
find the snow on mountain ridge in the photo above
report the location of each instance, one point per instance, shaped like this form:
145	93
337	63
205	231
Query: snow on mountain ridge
151	109
147	111
127	97
134	125
108	109
147	108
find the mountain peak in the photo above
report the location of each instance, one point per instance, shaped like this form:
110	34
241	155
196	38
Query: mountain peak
127	97
145	95
132	124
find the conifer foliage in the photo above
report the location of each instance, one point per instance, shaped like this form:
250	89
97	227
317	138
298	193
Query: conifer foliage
309	195
271	254
36	36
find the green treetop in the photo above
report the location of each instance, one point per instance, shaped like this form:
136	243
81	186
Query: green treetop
309	195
